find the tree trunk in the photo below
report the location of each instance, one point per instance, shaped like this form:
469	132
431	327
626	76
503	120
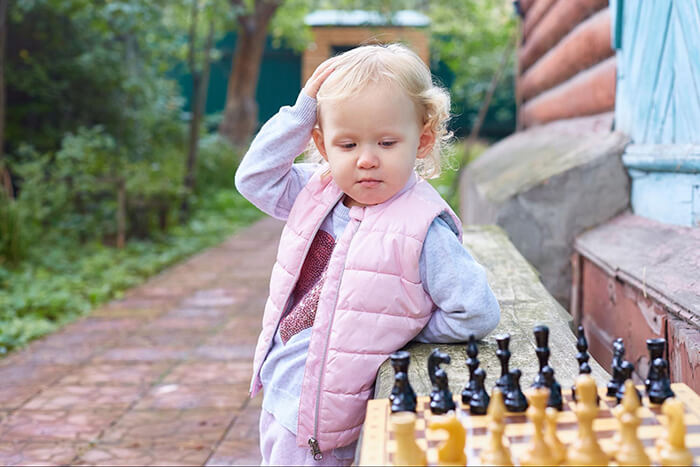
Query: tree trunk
241	110
200	86
5	180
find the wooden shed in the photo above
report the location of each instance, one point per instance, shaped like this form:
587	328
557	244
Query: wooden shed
337	31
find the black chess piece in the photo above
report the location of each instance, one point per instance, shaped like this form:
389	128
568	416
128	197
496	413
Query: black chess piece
479	402
626	369
617	379
441	401
515	399
403	397
543	352
435	358
582	357
555	399
656	348
505	381
404	400
473	364
660	388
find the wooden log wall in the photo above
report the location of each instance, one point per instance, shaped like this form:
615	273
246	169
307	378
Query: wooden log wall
566	65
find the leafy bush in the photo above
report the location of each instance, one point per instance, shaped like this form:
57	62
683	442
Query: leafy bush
217	162
12	243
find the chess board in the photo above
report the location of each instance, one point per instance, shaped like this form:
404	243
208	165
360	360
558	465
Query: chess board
378	444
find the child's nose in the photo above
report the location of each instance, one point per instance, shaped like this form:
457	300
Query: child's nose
367	160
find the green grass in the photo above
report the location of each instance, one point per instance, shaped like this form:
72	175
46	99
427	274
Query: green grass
60	281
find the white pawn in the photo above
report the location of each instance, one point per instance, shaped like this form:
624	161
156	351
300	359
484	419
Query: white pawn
585	449
631	450
550	436
674	450
496	453
538	452
407	450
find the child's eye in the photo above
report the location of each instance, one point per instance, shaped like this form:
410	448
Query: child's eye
387	144
347	145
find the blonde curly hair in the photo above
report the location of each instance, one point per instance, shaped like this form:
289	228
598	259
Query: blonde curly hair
398	65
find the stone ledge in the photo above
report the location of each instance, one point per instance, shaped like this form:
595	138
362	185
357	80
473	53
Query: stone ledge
524	303
546	185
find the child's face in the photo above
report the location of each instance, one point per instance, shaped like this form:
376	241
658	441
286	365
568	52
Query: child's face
371	142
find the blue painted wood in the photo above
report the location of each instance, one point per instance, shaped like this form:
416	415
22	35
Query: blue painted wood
662	94
677	158
616	16
687	68
663	196
658	105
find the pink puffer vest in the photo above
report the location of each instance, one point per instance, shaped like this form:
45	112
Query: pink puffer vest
371	304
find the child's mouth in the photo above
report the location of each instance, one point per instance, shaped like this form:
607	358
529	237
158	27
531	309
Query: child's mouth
369	183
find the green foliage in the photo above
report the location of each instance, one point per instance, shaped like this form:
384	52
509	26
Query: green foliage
470	38
217	162
178	17
12	242
287	27
446	182
76	63
62	280
73	193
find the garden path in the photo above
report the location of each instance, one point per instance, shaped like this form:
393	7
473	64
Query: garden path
157	377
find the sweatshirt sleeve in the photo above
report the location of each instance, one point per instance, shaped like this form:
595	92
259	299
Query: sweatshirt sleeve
458	286
267	175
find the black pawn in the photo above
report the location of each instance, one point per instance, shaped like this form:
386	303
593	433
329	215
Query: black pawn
441	402
656	348
555	400
515	399
505	381
660	389
473	364
543	352
582	357
617	379
403	397
626	369
480	398
434	360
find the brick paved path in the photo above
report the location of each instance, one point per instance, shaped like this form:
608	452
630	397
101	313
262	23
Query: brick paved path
159	377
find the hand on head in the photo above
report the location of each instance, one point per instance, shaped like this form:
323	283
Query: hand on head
318	77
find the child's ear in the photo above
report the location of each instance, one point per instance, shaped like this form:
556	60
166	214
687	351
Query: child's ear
425	142
317	135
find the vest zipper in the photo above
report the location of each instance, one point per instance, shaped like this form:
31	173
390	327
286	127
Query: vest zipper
315	451
312	440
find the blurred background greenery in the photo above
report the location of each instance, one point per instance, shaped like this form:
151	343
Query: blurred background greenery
113	161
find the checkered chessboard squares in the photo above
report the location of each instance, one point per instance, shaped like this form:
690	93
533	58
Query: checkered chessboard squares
519	429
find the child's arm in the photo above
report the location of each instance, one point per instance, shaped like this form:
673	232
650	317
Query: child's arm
267	175
457	284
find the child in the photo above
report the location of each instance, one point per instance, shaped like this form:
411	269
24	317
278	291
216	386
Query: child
370	257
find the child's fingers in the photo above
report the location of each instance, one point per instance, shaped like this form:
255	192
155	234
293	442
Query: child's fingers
323	67
319	76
